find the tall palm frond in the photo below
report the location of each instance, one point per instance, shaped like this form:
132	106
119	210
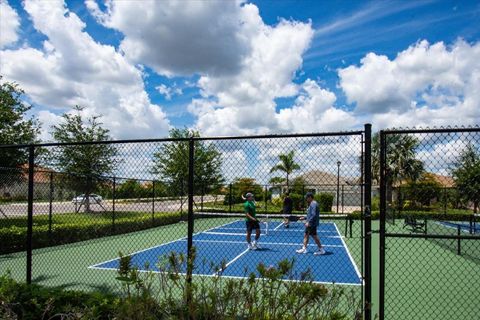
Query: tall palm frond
286	164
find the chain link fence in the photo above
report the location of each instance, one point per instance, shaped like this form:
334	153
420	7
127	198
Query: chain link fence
429	237
180	203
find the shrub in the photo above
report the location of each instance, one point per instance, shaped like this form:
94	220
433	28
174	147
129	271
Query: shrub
262	295
325	201
13	238
277	201
22	301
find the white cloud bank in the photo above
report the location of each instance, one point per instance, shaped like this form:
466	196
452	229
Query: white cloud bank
244	64
9	24
425	85
72	68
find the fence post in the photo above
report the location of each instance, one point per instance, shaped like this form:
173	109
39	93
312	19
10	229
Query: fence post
113	203
153	202
383	206
31	163
50	208
368	222
190	258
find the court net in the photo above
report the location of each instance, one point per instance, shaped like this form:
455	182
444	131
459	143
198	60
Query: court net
270	224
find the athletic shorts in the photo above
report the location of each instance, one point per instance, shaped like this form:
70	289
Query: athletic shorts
311	230
252	225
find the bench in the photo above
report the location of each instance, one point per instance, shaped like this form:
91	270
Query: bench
414	225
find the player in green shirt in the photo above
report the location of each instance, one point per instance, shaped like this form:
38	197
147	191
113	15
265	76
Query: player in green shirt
251	222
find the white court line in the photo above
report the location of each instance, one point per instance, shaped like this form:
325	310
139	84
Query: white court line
161	245
238	277
237	257
233	260
266	243
351	258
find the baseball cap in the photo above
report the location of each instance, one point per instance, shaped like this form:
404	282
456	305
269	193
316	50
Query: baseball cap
309	194
248	194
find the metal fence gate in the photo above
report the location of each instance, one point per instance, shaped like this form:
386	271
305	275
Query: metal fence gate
429	226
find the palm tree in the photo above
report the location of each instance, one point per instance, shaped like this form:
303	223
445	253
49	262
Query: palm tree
401	163
287	164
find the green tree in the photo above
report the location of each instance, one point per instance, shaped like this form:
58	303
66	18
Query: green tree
401	162
424	190
15	128
286	164
84	165
240	186
171	163
466	173
131	188
277	180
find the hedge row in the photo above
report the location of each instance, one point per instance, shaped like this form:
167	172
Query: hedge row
449	216
13	239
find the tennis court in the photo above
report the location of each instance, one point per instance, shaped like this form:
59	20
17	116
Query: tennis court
471	227
225	245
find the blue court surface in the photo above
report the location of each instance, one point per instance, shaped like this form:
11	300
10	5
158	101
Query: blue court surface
226	245
467	227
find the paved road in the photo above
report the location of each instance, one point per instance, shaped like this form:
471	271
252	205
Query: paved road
20	209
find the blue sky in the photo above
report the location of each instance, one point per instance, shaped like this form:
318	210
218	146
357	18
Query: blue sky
245	67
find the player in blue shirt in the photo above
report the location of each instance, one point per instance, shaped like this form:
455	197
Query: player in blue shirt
311	224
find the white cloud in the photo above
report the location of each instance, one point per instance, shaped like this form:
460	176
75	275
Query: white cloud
314	111
9	23
244	64
168	92
178	38
424	85
244	103
72	68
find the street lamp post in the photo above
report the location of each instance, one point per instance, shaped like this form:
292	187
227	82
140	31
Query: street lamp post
338	183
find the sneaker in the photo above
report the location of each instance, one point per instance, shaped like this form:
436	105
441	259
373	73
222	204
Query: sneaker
287	226
320	252
256	246
303	250
251	247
